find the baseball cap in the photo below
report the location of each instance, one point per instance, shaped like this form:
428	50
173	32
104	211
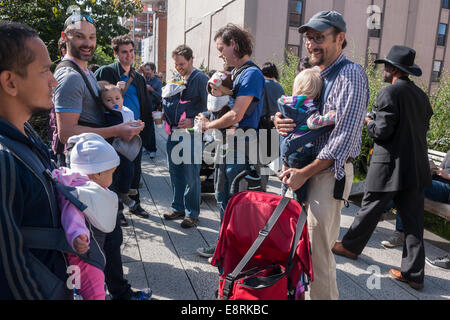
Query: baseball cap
324	20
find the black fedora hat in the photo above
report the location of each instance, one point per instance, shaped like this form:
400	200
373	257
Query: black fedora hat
402	58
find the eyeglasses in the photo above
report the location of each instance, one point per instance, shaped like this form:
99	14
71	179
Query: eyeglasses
78	17
318	38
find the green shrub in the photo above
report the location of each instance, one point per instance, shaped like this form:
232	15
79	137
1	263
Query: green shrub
439	133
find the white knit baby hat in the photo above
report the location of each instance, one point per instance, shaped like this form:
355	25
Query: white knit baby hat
92	154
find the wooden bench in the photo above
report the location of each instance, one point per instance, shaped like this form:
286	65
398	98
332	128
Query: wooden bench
437	208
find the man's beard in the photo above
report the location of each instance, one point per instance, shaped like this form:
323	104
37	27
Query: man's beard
387	78
314	61
76	53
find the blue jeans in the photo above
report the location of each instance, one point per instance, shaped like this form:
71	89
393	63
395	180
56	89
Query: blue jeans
439	192
185	180
150	142
231	171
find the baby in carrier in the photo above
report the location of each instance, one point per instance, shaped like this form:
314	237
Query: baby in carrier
93	162
219	89
296	148
116	113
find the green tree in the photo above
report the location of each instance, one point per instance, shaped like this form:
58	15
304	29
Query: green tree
48	17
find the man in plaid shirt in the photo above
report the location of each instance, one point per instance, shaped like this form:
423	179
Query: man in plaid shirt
324	37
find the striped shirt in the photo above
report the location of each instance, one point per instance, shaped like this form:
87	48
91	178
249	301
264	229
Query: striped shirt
349	97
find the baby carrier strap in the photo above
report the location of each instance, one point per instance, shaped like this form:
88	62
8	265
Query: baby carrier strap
73	65
328	82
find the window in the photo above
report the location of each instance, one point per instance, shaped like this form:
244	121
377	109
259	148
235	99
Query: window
295	13
437	69
374	33
293	49
445	4
442	33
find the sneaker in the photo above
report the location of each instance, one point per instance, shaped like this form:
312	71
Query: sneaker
206	252
440	262
145	294
152	155
189	222
139	211
125	199
395	240
174	215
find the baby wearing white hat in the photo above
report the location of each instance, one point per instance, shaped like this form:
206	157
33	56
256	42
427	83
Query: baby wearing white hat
93	161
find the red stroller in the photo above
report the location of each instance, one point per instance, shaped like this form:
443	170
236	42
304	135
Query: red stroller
255	253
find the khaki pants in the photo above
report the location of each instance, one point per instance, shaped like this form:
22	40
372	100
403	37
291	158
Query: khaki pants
324	219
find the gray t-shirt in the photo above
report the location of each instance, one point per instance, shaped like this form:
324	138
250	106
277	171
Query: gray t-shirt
73	96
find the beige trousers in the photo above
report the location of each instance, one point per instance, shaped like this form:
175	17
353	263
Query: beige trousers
324	219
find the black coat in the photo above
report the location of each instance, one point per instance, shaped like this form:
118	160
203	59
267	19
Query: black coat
400	156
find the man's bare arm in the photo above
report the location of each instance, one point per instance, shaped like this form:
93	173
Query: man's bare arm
68	126
233	116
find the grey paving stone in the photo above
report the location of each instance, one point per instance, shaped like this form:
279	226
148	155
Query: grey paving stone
160	254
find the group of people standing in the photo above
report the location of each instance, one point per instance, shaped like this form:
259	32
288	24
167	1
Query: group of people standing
27	86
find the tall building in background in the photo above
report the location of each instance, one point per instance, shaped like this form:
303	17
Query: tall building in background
373	27
149	32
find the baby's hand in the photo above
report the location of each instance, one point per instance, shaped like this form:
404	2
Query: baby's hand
121	85
81	244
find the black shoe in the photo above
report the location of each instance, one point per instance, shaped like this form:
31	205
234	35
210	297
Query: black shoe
174	215
123	221
189	222
139	211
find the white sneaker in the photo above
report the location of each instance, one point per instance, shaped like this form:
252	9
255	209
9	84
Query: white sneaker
395	240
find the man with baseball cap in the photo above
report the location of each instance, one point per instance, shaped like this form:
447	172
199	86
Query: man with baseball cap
396	173
330	175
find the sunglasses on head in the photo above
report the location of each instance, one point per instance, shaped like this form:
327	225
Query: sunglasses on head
78	17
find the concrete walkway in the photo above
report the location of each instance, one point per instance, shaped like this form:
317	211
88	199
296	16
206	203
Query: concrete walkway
161	255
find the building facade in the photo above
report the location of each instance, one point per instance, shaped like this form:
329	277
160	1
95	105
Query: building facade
373	27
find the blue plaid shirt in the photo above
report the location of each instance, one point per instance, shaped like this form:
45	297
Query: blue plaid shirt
349	97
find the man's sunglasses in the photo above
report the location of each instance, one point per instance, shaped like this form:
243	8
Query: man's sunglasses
78	17
317	38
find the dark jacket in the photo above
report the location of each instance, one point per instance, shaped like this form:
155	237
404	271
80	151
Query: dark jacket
112	73
26	201
400	156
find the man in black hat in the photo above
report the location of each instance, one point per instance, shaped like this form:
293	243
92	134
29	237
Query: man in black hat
399	168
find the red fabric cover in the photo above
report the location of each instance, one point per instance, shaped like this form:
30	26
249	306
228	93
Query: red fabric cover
245	215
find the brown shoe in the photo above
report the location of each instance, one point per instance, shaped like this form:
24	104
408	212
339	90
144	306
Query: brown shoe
189	222
174	215
339	249
397	275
